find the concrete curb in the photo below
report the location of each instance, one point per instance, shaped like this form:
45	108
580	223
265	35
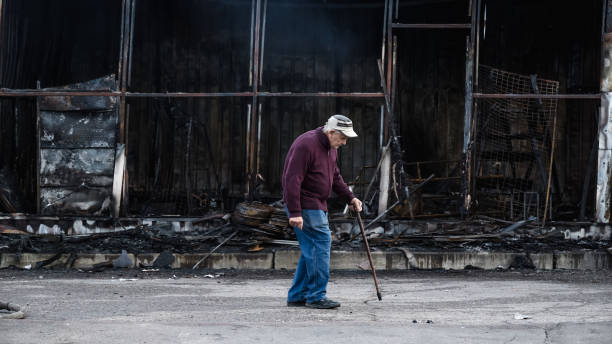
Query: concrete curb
341	260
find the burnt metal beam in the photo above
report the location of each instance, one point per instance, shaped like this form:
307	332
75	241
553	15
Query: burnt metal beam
38	152
42	93
188	94
431	26
123	77
323	94
604	171
126	26
253	120
1	41
384	33
263	40
389	56
468	121
251	43
121	40
477	45
130	45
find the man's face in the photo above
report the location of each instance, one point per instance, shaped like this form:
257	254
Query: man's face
336	139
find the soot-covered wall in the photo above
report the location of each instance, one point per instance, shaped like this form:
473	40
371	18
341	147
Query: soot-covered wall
184	146
194	146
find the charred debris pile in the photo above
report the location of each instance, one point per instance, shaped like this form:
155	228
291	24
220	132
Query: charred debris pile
255	226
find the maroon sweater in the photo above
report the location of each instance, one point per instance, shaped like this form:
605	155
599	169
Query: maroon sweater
311	173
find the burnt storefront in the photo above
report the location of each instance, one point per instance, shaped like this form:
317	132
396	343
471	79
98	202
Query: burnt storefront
119	114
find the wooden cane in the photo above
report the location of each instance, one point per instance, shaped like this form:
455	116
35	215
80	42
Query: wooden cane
365	240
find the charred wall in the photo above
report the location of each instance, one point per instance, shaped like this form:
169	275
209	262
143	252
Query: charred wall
309	47
181	147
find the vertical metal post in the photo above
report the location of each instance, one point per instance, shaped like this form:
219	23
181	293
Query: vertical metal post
385	170
248	140
122	33
258	141
384	34
477	44
385	167
126	121
127	27
604	172
389	62
382	121
253	134
125	43
396	9
251	43
38	150
468	120
247	169
130	46
2	48
187	175
263	42
123	59
393	77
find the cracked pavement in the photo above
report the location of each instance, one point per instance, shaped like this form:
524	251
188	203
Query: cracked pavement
183	307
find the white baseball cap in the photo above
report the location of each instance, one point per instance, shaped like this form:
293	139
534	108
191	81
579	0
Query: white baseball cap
342	124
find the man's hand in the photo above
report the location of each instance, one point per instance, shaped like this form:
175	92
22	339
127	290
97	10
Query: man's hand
298	221
355	205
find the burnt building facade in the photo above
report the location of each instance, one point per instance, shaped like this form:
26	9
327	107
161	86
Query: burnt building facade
134	108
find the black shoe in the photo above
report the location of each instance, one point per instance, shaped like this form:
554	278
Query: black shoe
323	304
296	303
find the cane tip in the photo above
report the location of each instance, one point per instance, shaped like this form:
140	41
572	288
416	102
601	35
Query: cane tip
379	296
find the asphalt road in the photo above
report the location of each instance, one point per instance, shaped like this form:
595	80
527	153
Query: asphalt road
425	307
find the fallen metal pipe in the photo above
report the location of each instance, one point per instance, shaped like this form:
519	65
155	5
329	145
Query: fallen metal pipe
383	214
213	250
510	229
397	202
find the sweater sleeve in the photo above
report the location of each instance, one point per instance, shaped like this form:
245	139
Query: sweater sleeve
340	187
297	166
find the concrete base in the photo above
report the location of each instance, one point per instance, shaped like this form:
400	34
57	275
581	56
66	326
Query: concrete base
340	260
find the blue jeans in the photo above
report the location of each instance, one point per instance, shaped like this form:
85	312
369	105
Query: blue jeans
312	273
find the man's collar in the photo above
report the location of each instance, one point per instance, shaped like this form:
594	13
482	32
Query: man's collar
323	138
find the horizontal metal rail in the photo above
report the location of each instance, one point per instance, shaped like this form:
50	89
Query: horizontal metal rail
68	93
431	26
323	94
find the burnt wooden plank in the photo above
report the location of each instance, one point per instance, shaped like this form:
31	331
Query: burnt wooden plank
105	83
82	103
78	103
75	200
65	162
74	179
77	130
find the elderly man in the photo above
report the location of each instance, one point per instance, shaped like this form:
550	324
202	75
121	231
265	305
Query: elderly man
309	176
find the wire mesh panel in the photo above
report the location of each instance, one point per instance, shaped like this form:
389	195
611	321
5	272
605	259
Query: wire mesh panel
512	144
